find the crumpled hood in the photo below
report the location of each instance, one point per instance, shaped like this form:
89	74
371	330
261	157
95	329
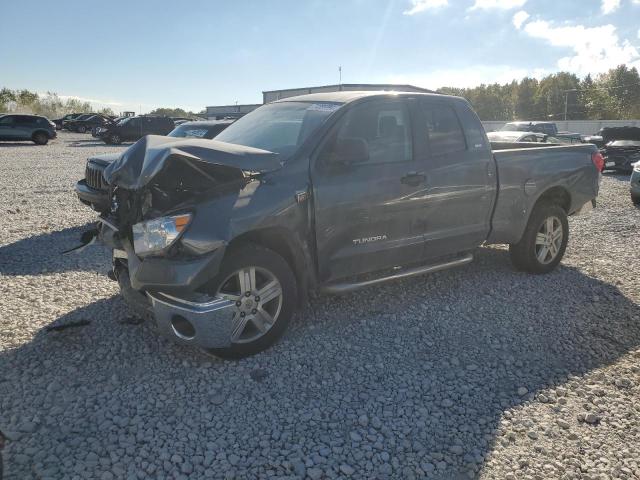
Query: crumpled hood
147	157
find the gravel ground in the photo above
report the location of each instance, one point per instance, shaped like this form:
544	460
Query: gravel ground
479	372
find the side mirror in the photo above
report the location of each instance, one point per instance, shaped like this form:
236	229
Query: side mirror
348	151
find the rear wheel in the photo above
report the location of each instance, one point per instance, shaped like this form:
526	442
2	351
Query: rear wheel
264	288
82	129
544	241
40	138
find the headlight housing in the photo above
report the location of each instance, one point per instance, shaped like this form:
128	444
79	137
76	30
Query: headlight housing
156	235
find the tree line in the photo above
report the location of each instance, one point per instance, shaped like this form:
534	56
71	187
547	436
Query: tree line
614	95
49	105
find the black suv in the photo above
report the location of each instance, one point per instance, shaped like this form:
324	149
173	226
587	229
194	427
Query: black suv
60	121
133	128
85	125
27	127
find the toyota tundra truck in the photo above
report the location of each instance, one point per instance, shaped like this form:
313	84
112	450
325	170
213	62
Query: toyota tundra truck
219	241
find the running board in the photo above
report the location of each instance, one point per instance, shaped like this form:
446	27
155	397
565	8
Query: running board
336	288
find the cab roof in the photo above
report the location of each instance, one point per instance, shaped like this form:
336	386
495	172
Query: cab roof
349	96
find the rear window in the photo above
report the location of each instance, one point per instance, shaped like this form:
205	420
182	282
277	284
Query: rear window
473	129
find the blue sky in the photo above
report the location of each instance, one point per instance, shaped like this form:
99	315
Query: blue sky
193	53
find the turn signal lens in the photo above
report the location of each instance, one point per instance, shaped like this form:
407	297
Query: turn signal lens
181	222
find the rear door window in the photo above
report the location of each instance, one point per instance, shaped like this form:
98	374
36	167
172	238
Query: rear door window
7	120
443	129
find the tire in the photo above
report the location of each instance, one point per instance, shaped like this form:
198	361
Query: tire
265	262
635	199
82	129
115	139
529	254
40	138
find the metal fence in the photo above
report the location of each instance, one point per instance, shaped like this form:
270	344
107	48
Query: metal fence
586	127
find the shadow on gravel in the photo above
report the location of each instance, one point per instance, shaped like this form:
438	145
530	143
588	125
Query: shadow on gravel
94	143
42	254
19	144
420	371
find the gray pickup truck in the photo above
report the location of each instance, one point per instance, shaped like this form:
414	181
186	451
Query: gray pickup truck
220	240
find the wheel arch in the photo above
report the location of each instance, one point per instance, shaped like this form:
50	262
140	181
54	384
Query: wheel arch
556	195
284	243
42	131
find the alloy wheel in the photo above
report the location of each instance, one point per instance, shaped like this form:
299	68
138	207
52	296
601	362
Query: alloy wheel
549	240
257	294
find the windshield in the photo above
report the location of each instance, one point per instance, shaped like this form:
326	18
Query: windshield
279	127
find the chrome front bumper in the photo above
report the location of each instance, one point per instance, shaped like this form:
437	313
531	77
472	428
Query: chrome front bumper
205	325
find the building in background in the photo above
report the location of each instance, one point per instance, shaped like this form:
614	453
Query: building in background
236	111
229	111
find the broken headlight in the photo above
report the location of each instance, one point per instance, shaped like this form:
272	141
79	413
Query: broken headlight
155	236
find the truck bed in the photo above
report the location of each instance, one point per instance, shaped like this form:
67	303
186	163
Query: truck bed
528	171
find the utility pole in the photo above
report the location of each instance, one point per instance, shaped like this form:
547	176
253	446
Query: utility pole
340	77
566	101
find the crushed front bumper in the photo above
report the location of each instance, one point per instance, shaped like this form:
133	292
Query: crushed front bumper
204	324
164	289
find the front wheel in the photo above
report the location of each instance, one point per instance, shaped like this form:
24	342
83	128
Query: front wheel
263	286
82	129
544	241
40	138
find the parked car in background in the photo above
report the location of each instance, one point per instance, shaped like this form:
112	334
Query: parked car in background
85	125
133	128
621	154
517	137
68	124
220	240
205	129
60	121
621	147
635	184
35	128
550	128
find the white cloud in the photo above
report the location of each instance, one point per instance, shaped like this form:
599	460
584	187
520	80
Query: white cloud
471	76
596	49
609	6
519	18
497	4
422	5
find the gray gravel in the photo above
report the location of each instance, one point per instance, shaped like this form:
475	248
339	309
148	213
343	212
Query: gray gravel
476	372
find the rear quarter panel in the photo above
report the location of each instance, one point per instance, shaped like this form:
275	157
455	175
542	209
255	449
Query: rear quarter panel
525	174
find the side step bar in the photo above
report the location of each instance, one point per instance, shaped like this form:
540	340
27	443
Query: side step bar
337	288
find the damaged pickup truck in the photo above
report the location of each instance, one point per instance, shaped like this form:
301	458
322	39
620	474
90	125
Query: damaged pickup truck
220	240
